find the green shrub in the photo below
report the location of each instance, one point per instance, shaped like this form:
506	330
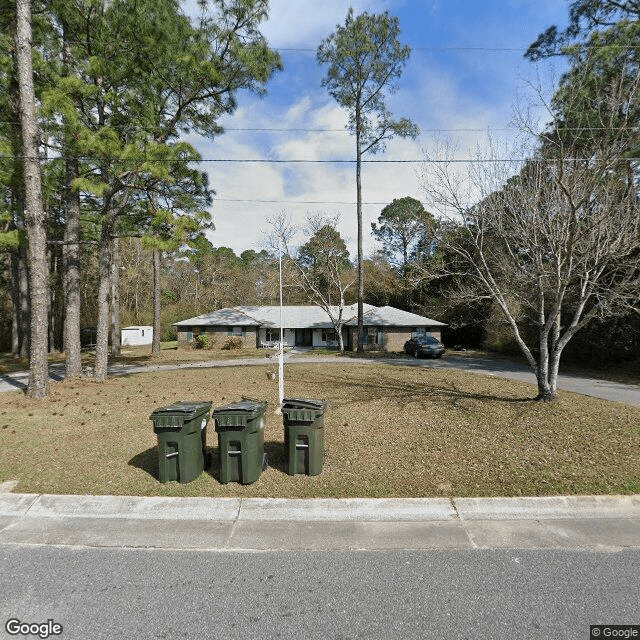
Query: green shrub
202	342
234	342
170	335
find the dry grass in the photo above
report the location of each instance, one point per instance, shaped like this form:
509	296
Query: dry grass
172	354
389	431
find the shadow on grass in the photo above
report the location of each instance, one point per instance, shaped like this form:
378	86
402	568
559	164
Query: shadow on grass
135	360
276	459
390	388
276	455
147	461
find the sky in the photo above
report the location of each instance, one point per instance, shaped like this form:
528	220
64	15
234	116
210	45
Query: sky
465	73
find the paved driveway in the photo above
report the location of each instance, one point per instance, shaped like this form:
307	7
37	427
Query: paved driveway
615	391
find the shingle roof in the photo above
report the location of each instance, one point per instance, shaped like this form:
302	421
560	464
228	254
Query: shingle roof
229	317
392	317
307	317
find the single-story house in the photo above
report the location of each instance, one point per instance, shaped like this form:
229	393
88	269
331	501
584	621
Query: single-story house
385	328
132	336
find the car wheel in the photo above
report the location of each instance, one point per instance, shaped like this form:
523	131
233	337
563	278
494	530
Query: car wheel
416	353
439	355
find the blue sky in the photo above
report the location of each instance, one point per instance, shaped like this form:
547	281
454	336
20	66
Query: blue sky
464	75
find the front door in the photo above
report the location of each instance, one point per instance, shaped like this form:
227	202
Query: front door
304	338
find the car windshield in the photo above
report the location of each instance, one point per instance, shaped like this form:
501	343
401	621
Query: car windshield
426	340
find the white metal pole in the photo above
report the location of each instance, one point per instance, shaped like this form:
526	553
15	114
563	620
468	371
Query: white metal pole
281	354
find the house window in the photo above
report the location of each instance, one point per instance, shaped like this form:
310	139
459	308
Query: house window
365	335
188	332
380	337
272	335
329	336
237	331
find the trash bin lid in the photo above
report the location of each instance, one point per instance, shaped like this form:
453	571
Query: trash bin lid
245	406
303	403
185	410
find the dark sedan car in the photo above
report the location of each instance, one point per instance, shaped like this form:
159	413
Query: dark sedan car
424	346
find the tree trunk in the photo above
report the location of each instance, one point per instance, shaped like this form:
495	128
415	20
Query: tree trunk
546	391
71	250
155	346
71	277
19	277
340	340
116	330
15	299
104	290
25	302
54	290
34	215
360	347
22	279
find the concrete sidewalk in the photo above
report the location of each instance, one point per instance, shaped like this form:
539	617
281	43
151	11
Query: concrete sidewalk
255	524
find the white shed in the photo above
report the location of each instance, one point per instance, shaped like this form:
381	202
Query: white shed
132	336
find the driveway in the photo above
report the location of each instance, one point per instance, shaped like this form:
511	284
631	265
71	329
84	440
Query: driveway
614	391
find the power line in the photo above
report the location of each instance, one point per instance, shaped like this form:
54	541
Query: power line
307	161
345	130
302	161
293	201
482	48
430	130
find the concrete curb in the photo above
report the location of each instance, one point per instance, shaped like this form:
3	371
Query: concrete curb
348	509
548	508
227	510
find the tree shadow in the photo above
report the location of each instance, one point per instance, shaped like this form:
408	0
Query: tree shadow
14	382
390	388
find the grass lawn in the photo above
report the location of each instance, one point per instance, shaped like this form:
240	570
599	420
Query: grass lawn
172	354
390	431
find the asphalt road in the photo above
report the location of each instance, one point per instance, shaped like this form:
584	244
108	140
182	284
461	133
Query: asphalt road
617	392
98	594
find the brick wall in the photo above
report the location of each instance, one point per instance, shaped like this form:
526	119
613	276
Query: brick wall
220	334
394	338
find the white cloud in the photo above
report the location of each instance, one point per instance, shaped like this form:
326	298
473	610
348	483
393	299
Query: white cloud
437	91
304	23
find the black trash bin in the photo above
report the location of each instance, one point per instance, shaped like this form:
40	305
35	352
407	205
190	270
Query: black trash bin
182	433
240	428
304	435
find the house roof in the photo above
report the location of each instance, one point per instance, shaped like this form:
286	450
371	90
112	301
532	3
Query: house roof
392	317
307	317
300	317
230	317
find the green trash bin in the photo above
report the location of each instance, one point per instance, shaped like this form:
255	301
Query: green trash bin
182	433
304	435
240	428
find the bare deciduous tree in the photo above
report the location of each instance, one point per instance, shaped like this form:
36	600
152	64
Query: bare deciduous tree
555	243
321	267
